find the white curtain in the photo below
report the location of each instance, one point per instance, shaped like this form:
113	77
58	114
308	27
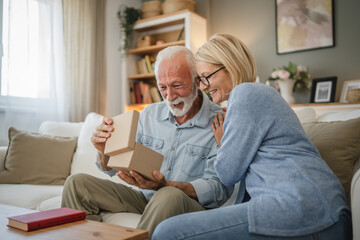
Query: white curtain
85	61
33	67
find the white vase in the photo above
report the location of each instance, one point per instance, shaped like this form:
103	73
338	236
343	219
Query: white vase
286	89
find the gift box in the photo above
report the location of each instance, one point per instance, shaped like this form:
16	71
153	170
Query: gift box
125	153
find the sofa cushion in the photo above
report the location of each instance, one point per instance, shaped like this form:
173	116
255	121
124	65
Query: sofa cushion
51	203
33	158
339	145
306	115
125	219
28	195
339	116
61	129
85	155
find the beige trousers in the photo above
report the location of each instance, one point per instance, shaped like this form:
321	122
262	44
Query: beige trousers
93	195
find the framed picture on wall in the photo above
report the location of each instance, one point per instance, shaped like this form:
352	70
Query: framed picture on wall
348	85
303	25
323	90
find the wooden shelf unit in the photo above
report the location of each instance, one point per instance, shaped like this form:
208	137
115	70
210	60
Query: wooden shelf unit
142	76
155	48
186	28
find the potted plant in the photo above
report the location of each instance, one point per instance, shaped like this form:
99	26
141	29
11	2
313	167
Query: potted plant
289	78
127	16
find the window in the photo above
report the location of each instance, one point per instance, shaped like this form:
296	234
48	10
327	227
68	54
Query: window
26	61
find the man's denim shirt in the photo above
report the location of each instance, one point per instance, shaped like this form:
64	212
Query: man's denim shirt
189	150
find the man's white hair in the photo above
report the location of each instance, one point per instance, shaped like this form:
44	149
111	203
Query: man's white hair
172	52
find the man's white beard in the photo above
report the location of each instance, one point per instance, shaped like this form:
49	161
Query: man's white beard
188	102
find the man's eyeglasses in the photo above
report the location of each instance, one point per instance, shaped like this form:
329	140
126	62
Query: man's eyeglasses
205	79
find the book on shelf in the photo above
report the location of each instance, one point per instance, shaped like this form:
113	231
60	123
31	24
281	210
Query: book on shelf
142	92
132	92
137	67
155	95
43	219
144	65
138	95
148	64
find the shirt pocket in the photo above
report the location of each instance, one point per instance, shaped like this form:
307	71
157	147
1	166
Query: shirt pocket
155	144
195	159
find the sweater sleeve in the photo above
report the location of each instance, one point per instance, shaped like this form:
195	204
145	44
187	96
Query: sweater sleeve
240	143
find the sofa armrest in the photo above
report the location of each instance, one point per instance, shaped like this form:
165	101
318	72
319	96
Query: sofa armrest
355	204
3	150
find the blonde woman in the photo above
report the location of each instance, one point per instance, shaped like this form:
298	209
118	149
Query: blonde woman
291	192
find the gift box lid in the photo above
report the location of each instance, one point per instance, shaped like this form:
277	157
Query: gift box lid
123	137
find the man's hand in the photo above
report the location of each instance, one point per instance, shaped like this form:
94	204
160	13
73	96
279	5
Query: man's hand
217	127
101	134
99	138
139	181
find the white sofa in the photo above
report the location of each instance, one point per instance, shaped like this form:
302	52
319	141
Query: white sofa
42	197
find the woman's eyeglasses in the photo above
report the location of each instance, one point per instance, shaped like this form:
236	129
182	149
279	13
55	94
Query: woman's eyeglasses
205	79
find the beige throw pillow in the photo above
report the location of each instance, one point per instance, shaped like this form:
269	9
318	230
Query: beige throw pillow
339	145
37	159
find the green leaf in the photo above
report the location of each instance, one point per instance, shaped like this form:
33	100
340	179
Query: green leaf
292	68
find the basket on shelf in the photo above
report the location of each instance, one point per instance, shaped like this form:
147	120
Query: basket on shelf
145	41
353	95
151	9
170	6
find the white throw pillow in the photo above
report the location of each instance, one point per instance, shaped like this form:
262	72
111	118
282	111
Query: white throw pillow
61	129
85	156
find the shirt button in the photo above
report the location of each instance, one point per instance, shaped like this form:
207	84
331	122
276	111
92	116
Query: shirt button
191	124
156	145
203	155
172	149
169	169
191	152
146	142
178	129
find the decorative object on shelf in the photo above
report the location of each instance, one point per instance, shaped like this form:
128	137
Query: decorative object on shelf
304	25
290	77
286	85
127	16
145	41
354	94
170	6
151	9
323	90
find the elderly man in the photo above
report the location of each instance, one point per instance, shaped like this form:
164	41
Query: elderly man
180	129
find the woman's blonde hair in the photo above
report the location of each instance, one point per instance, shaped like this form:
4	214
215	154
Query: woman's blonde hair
228	51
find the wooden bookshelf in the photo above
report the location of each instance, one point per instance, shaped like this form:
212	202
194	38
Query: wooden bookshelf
155	48
184	28
170	20
142	76
137	107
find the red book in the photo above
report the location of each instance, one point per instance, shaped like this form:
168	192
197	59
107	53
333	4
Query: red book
138	94
43	219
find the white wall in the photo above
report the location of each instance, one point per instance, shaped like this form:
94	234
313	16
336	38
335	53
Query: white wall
114	72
